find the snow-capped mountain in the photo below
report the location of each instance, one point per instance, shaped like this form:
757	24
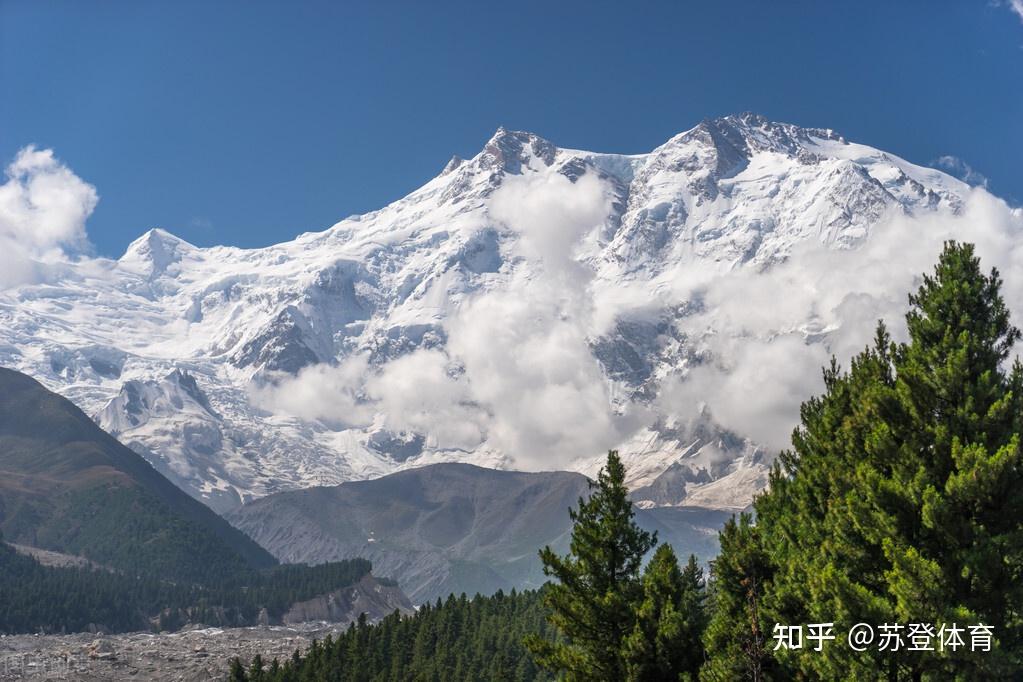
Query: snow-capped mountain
242	372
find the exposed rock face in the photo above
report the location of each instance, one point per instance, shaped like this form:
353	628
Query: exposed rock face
55	559
368	596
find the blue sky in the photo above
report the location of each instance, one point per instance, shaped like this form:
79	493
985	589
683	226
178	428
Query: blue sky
247	123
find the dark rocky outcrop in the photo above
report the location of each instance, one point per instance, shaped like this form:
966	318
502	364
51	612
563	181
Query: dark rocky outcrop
370	596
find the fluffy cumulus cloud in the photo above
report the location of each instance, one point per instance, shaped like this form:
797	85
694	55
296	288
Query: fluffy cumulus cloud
517	374
331	394
527	360
526	350
43	210
551	215
424	393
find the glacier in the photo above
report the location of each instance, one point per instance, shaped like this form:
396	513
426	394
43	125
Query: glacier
358	351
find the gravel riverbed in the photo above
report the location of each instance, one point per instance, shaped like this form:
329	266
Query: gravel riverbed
186	656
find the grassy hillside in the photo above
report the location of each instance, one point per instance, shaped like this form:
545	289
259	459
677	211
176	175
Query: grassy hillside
67	485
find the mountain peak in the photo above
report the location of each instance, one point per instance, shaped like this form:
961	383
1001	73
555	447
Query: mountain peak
746	118
732	192
158	234
157	247
508	150
734	138
453	164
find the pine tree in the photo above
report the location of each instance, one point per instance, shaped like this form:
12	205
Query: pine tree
693	608
735	638
597	586
256	669
902	497
237	671
665	643
958	557
814	524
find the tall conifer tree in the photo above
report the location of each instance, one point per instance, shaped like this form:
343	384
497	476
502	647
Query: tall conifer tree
665	643
901	500
737	637
597	587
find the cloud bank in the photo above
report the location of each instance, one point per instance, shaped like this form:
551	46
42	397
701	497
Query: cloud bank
43	210
768	334
518	375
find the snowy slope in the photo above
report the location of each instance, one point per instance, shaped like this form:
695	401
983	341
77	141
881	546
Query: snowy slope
177	349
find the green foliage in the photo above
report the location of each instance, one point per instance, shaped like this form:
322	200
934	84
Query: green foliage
735	637
459	639
37	598
597	591
601	620
665	643
130	531
900	500
236	672
68	486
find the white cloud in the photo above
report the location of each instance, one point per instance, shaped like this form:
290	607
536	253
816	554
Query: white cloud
327	393
527	382
1017	7
958	168
43	210
517	372
421	393
552	214
518	376
527	360
753	386
768	334
526	351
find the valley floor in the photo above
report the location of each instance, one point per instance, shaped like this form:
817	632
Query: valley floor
186	656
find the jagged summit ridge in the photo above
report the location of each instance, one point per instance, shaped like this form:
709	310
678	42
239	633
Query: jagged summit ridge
732	192
510	150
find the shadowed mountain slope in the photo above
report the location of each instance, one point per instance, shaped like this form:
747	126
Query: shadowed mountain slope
68	486
448	527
